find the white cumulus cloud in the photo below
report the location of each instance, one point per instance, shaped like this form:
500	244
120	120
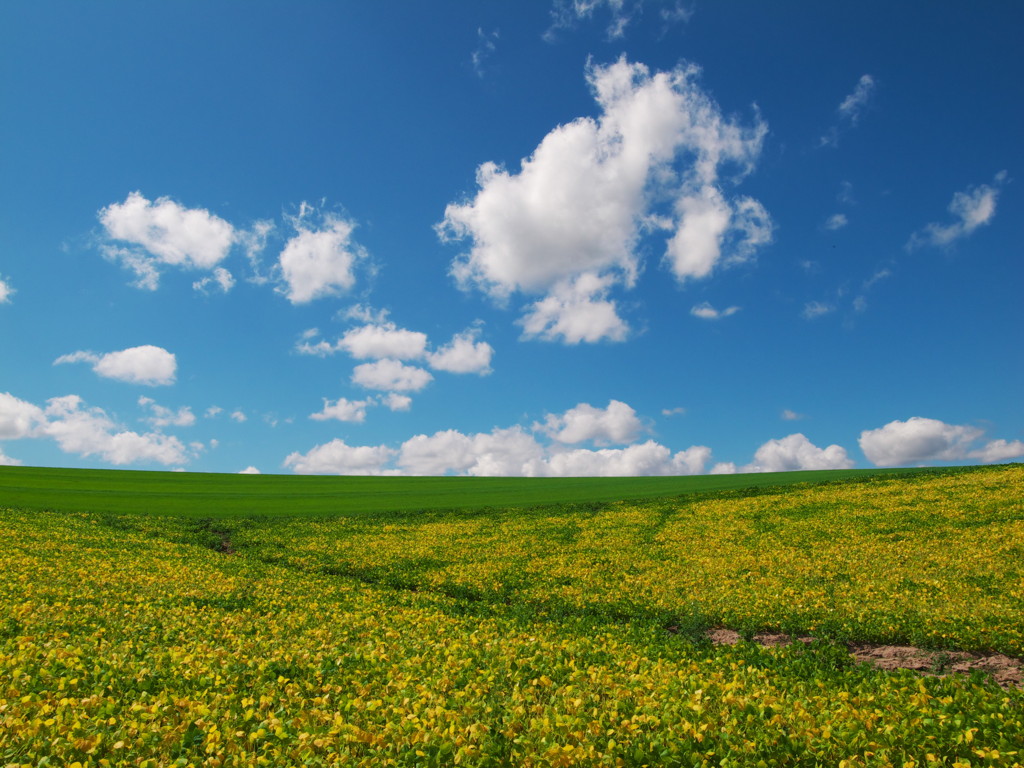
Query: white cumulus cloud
147	364
161	416
998	450
796	452
463	354
576	310
86	431
5	291
250	470
338	458
396	402
163	232
972	208
920	440
616	424
8	461
389	375
342	409
568	224
321	258
377	341
18	418
649	458
511	452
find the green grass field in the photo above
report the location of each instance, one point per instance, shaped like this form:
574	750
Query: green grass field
217	495
200	620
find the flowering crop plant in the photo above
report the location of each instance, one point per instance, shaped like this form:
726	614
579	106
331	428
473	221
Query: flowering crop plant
549	636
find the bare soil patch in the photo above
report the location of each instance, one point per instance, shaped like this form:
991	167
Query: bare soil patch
1006	671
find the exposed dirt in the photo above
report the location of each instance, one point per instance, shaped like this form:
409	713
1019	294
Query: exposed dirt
1003	669
224	546
1006	671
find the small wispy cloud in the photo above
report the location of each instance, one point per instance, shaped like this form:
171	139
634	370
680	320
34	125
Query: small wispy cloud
707	312
836	221
854	104
485	46
814	309
972	208
788	415
850	110
566	14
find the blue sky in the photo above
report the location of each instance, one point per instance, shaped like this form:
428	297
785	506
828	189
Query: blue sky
548	238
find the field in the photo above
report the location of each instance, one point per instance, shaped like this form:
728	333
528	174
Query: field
170	623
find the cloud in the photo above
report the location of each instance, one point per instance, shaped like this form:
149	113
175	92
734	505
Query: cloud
920	440
796	452
836	221
383	340
486	45
508	452
853	105
213	411
7	461
574	311
972	208
396	402
18	418
165	417
463	354
239	416
514	451
649	458
149	365
372	341
566	14
89	432
338	458
343	410
850	109
788	415
254	242
321	258
362	313
998	450
85	431
5	291
391	376
250	470
163	233
707	312
220	278
813	309
568	225
707	223
618	423
679	411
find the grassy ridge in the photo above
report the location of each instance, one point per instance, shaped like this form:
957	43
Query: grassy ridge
223	495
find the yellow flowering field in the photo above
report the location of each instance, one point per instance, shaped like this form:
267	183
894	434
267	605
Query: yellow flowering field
541	637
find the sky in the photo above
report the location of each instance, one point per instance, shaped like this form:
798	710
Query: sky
547	238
